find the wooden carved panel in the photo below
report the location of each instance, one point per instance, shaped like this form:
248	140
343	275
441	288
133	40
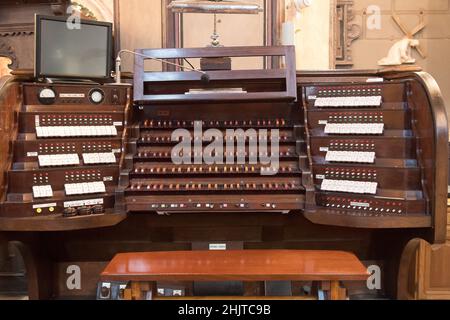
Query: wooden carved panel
346	32
17	28
423	273
6	51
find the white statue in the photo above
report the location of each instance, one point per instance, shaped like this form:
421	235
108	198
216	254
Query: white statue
293	11
400	53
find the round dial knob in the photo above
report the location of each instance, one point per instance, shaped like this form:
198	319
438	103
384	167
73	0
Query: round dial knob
96	96
47	96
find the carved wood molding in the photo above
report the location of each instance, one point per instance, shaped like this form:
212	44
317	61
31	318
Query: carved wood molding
347	31
7	51
422	273
14	30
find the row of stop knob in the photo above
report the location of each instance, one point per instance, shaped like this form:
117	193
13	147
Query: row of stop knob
226	123
167	139
167	154
225	206
212	169
212	186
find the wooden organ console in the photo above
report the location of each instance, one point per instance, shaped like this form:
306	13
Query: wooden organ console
66	151
366	155
234	183
88	170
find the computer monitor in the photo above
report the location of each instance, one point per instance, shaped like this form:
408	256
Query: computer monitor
78	53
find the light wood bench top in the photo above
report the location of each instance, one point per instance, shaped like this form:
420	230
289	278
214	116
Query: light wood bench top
246	265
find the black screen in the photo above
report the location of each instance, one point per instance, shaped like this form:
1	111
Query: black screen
78	53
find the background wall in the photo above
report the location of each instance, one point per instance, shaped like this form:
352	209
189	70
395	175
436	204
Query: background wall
312	39
234	30
140	27
314	36
435	38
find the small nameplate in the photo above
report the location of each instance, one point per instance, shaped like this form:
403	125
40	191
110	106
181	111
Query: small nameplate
82	203
217	246
324	149
312	97
116	150
118	124
108	179
323	122
360	204
43	206
372	80
32	154
320	177
72	95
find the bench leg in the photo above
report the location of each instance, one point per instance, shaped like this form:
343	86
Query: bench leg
334	290
337	292
143	290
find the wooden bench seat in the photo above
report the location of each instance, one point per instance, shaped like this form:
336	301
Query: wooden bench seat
143	270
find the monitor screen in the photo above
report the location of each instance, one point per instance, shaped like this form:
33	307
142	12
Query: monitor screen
64	52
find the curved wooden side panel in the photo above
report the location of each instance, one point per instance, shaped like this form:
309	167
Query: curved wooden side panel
423	272
430	130
433	146
9	105
38	268
440	190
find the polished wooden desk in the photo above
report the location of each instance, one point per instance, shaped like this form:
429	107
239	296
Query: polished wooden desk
145	269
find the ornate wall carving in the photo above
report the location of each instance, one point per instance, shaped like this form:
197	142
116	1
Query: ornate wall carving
346	32
17	28
7	51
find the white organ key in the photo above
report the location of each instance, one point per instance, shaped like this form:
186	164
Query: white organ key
58	160
85	188
359	187
99	158
42	192
114	131
342	102
45	131
75	131
355	128
39	132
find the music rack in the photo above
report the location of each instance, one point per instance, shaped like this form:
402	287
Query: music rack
263	84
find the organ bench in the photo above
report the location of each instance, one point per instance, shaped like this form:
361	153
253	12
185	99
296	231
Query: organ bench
144	270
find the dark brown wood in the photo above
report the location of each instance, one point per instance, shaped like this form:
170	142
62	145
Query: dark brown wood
23	113
285	78
401	110
60	223
422	274
9	105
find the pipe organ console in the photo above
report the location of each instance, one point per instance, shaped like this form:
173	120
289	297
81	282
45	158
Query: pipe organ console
351	160
155	182
66	151
385	182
